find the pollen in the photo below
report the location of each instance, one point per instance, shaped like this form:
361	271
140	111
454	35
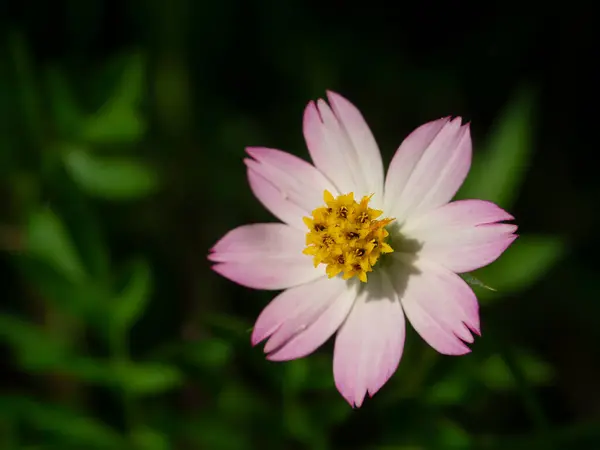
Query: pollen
348	237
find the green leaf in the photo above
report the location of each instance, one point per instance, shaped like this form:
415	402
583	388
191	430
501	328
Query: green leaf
318	375
86	300
450	435
131	86
299	423
148	439
449	391
214	433
526	261
35	348
138	379
88	234
495	374
296	373
497	173
146	379
118	120
239	402
47	239
70	426
209	353
132	300
115	122
66	113
337	413
110	178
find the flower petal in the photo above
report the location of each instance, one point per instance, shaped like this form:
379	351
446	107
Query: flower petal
361	138
286	185
428	168
264	256
342	146
301	319
462	235
369	344
440	306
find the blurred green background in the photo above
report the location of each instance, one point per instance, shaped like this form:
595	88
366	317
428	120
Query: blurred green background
122	133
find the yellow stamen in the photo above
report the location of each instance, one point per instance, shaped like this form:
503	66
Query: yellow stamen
346	236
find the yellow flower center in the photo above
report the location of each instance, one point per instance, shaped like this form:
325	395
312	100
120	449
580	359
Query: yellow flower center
346	236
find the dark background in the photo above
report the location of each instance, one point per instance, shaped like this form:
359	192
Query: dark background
122	129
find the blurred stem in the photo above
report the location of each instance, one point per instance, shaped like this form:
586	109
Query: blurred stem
419	372
28	90
11	238
63	388
565	437
412	384
9	435
530	402
119	349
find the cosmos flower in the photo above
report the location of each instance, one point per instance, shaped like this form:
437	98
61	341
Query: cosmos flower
357	253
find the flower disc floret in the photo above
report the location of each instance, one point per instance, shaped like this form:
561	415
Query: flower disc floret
346	236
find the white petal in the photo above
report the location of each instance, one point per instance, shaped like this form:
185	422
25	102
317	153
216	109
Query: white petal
361	137
342	147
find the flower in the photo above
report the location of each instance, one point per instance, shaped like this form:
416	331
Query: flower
357	253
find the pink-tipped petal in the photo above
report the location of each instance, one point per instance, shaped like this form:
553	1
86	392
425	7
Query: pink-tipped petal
428	168
369	345
342	147
297	310
440	306
313	312
264	256
463	235
286	185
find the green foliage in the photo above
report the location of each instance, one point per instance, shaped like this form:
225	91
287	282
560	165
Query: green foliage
492	373
498	376
118	336
48	240
148	439
64	109
118	120
26	86
496	175
138	379
33	347
208	353
498	170
525	262
66	261
69	426
112	178
131	301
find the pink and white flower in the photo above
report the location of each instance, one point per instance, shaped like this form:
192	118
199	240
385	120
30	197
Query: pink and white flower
432	239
